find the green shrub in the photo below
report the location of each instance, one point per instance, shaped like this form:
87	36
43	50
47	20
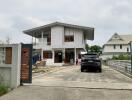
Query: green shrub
121	57
3	89
115	58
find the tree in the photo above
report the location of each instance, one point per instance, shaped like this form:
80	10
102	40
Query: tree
87	47
95	48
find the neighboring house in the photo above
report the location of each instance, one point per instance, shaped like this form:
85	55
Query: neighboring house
60	43
116	45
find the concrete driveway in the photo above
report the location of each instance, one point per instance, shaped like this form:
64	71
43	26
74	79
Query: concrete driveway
71	84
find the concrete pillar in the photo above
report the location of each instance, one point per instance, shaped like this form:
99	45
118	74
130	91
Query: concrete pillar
63	55
42	37
42	47
16	65
32	39
53	55
35	40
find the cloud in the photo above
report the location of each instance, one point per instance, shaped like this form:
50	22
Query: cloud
107	16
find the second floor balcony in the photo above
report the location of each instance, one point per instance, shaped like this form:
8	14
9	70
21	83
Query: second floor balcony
44	45
50	46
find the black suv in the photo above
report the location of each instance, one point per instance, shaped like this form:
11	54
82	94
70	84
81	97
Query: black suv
91	62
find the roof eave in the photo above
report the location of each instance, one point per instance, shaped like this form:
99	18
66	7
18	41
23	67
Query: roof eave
57	23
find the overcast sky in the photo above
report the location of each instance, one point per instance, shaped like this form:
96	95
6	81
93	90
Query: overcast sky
106	16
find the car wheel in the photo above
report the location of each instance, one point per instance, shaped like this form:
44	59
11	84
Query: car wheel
100	70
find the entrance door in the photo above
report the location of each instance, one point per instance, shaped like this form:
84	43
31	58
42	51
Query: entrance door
69	56
58	56
26	63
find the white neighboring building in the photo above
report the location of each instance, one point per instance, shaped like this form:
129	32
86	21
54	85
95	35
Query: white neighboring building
116	45
60	43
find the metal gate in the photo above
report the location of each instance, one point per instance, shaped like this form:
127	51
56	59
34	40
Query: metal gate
26	63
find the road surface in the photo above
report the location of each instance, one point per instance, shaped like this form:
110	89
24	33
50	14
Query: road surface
71	84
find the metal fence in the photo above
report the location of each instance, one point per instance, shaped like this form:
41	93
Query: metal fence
121	65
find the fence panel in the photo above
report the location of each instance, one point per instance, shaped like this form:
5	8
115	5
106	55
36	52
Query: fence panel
124	66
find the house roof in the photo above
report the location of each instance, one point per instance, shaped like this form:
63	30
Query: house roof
119	39
89	31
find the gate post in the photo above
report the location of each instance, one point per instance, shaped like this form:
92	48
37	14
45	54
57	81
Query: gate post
131	54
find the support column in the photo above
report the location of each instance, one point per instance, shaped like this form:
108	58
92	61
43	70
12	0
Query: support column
75	55
32	39
42	46
63	55
53	55
35	40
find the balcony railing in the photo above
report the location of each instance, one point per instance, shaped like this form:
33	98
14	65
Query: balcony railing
45	45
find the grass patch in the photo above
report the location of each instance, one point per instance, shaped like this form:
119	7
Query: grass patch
3	89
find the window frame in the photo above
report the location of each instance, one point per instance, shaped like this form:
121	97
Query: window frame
47	54
127	49
114	46
69	38
120	46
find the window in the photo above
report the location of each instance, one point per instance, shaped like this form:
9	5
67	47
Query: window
114	46
8	59
127	49
120	46
69	38
47	54
69	34
49	39
6	55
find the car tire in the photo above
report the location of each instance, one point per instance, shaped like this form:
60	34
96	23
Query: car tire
100	70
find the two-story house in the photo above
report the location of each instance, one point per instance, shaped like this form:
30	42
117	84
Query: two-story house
60	42
116	45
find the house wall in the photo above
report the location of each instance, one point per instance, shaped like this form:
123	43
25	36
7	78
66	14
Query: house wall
110	48
57	36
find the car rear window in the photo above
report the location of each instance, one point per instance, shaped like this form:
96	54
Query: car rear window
90	56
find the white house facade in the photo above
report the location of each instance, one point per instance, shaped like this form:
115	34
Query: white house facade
60	43
116	45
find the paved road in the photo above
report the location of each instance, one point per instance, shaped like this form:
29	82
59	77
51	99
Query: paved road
71	84
73	74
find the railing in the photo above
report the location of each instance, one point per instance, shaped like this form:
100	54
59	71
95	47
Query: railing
45	45
121	65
